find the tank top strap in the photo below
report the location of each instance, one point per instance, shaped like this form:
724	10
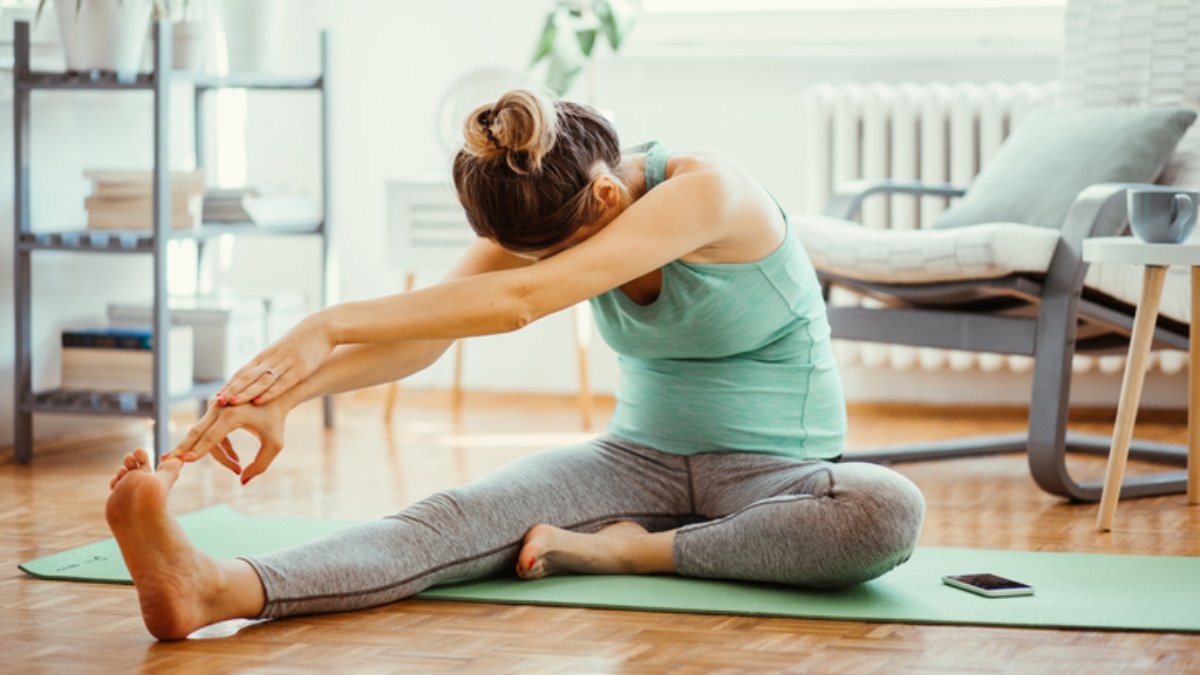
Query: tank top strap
656	164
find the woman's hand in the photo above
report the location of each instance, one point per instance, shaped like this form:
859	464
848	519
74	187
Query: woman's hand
210	436
281	366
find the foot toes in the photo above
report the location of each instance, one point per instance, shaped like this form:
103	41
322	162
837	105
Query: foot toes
130	463
142	457
117	478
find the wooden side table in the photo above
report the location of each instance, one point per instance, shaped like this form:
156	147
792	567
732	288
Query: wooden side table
1156	258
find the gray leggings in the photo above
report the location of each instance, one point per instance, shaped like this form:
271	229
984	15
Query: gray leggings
741	516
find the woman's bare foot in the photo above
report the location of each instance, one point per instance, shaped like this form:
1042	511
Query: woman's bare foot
620	548
180	588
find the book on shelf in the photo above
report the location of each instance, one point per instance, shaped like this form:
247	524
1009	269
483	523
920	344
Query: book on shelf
119	184
124	200
109	337
122	359
224	205
260	206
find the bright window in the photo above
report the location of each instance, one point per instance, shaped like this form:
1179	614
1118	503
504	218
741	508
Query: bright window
698	6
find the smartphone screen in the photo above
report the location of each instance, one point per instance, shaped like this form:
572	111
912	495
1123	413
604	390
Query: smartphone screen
990	585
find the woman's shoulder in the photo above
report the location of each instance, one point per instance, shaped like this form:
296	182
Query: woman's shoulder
699	160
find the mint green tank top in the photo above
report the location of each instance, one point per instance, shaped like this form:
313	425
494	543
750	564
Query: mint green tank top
729	357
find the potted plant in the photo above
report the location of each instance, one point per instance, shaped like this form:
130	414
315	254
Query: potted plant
567	43
103	35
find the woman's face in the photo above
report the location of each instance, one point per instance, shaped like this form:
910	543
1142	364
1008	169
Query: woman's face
580	235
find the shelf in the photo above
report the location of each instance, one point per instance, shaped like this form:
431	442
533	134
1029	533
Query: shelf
142	241
108	81
123	404
150	242
250	81
211	230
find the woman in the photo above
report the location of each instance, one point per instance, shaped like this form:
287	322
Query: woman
721	456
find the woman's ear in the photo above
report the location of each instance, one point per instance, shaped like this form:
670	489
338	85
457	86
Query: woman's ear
606	190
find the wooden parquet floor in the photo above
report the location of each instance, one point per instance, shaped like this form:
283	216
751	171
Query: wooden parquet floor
364	469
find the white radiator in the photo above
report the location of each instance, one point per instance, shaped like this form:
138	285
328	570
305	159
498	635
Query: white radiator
935	133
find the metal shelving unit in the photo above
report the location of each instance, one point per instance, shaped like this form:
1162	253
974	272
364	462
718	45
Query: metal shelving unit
152	242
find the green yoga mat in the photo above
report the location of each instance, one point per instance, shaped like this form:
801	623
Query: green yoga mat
1074	590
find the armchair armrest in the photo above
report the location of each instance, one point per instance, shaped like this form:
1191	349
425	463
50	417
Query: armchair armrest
849	196
1093	210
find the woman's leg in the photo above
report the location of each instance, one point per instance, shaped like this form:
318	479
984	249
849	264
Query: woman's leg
459	534
180	588
812	524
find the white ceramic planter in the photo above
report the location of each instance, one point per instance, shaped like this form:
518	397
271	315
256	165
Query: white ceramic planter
188	44
104	34
253	34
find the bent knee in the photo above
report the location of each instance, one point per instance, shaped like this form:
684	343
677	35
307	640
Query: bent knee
883	513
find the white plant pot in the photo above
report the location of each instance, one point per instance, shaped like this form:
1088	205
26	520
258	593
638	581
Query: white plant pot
188	43
104	35
253	32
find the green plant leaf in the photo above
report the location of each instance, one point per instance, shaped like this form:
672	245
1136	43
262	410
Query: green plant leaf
616	18
546	41
561	76
587	40
607	23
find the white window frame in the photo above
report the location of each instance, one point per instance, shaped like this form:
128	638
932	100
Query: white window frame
744	6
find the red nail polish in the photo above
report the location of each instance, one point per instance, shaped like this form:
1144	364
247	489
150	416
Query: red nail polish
530	565
257	400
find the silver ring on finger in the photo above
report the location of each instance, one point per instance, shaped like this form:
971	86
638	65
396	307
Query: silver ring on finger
273	373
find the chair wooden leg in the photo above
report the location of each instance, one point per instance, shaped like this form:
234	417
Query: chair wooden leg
585	391
583	336
1193	466
456	390
394	387
389	402
1131	392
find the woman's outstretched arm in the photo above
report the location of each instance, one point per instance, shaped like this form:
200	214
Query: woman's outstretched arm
347	368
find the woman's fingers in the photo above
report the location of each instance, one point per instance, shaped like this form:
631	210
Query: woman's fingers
264	382
226	457
210	440
234	385
247	386
266	455
185	447
284	382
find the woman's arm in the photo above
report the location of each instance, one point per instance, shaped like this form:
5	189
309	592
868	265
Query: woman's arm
349	367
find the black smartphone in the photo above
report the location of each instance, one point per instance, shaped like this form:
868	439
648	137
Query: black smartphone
988	585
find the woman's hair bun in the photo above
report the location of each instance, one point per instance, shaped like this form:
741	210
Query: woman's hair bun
519	128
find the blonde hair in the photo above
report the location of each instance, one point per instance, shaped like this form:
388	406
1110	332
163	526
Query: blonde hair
525	171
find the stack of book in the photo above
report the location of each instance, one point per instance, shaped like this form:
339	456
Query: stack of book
224	205
122	359
259	206
124	200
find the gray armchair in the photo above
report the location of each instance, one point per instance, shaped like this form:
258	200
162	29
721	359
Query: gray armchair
1050	310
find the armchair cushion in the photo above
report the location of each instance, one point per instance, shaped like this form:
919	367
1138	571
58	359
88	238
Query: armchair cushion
987	251
1056	153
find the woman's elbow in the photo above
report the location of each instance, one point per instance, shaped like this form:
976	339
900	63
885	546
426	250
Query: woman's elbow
519	313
